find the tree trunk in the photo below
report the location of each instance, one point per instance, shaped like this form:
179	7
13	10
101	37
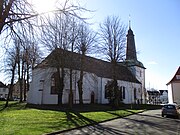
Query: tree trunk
19	76
11	86
115	86
60	84
80	84
27	76
24	84
21	81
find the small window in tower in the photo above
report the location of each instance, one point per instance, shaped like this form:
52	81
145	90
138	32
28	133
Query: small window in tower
178	77
140	73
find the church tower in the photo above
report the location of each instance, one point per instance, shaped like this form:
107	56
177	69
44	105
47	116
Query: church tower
131	49
135	66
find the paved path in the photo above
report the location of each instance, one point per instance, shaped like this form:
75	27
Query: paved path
146	123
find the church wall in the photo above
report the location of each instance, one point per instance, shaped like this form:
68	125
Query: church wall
129	91
39	92
101	89
40	88
140	76
89	87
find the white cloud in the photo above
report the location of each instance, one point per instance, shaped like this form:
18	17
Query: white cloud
152	63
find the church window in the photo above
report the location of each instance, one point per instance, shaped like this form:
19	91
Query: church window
140	73
109	92
135	93
123	91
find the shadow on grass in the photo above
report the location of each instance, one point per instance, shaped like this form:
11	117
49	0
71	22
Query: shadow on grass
92	126
12	106
77	119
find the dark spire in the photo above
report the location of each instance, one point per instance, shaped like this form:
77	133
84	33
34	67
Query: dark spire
131	48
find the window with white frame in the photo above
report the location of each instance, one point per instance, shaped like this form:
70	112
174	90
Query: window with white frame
178	77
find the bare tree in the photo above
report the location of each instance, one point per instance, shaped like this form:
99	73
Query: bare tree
31	56
112	35
55	35
85	45
72	39
14	11
10	69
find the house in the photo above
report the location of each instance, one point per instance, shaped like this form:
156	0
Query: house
3	91
130	76
153	97
174	88
16	94
163	96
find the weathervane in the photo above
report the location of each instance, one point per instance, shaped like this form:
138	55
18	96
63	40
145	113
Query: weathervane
129	21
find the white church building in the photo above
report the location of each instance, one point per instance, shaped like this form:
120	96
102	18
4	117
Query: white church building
130	76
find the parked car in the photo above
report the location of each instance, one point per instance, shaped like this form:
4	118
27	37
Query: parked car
171	110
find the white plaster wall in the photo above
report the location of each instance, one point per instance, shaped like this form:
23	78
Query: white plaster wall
140	75
129	89
104	82
176	92
39	92
100	90
90	83
170	95
40	88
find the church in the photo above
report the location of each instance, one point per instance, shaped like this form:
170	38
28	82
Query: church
97	73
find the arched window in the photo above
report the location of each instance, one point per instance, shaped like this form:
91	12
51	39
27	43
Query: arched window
135	93
123	91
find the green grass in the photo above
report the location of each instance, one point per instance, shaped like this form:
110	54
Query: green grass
21	120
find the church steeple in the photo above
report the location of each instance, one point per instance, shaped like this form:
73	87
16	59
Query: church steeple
131	48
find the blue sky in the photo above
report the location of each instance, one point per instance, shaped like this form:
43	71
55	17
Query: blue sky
156	26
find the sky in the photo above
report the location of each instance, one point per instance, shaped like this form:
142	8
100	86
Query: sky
156	26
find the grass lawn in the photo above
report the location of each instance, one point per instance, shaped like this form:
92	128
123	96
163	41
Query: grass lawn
19	119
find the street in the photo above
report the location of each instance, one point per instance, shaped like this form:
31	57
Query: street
146	123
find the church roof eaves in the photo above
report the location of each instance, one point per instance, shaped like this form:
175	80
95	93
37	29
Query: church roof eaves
130	63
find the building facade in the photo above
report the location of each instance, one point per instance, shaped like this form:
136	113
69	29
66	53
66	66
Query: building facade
3	91
174	88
